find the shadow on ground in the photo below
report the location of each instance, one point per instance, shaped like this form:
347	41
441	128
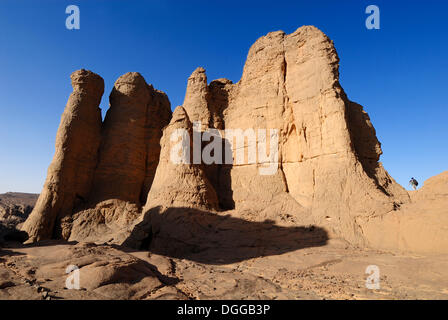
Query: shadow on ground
212	238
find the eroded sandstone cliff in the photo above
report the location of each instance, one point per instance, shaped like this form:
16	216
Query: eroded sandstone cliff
328	178
328	172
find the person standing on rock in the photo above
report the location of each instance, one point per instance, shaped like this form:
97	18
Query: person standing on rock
413	183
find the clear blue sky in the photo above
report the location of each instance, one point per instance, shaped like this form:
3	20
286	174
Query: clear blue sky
398	73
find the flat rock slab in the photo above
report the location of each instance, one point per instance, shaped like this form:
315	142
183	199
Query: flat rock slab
333	271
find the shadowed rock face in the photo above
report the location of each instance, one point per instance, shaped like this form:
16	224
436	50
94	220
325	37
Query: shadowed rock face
158	116
70	173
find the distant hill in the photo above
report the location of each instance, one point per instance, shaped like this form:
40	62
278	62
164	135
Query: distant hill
15	207
18	198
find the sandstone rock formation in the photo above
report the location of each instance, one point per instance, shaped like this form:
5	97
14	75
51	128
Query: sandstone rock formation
101	170
196	98
180	184
324	139
129	140
70	173
128	158
159	116
329	170
328	162
328	177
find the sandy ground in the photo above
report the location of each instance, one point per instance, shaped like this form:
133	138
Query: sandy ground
332	271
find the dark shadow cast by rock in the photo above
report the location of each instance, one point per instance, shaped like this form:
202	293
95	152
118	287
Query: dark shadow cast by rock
224	186
11	234
365	143
8	253
214	238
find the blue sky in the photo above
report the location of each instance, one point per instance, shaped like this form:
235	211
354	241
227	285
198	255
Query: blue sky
398	73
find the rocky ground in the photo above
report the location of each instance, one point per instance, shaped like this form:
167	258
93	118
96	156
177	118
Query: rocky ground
214	257
332	271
